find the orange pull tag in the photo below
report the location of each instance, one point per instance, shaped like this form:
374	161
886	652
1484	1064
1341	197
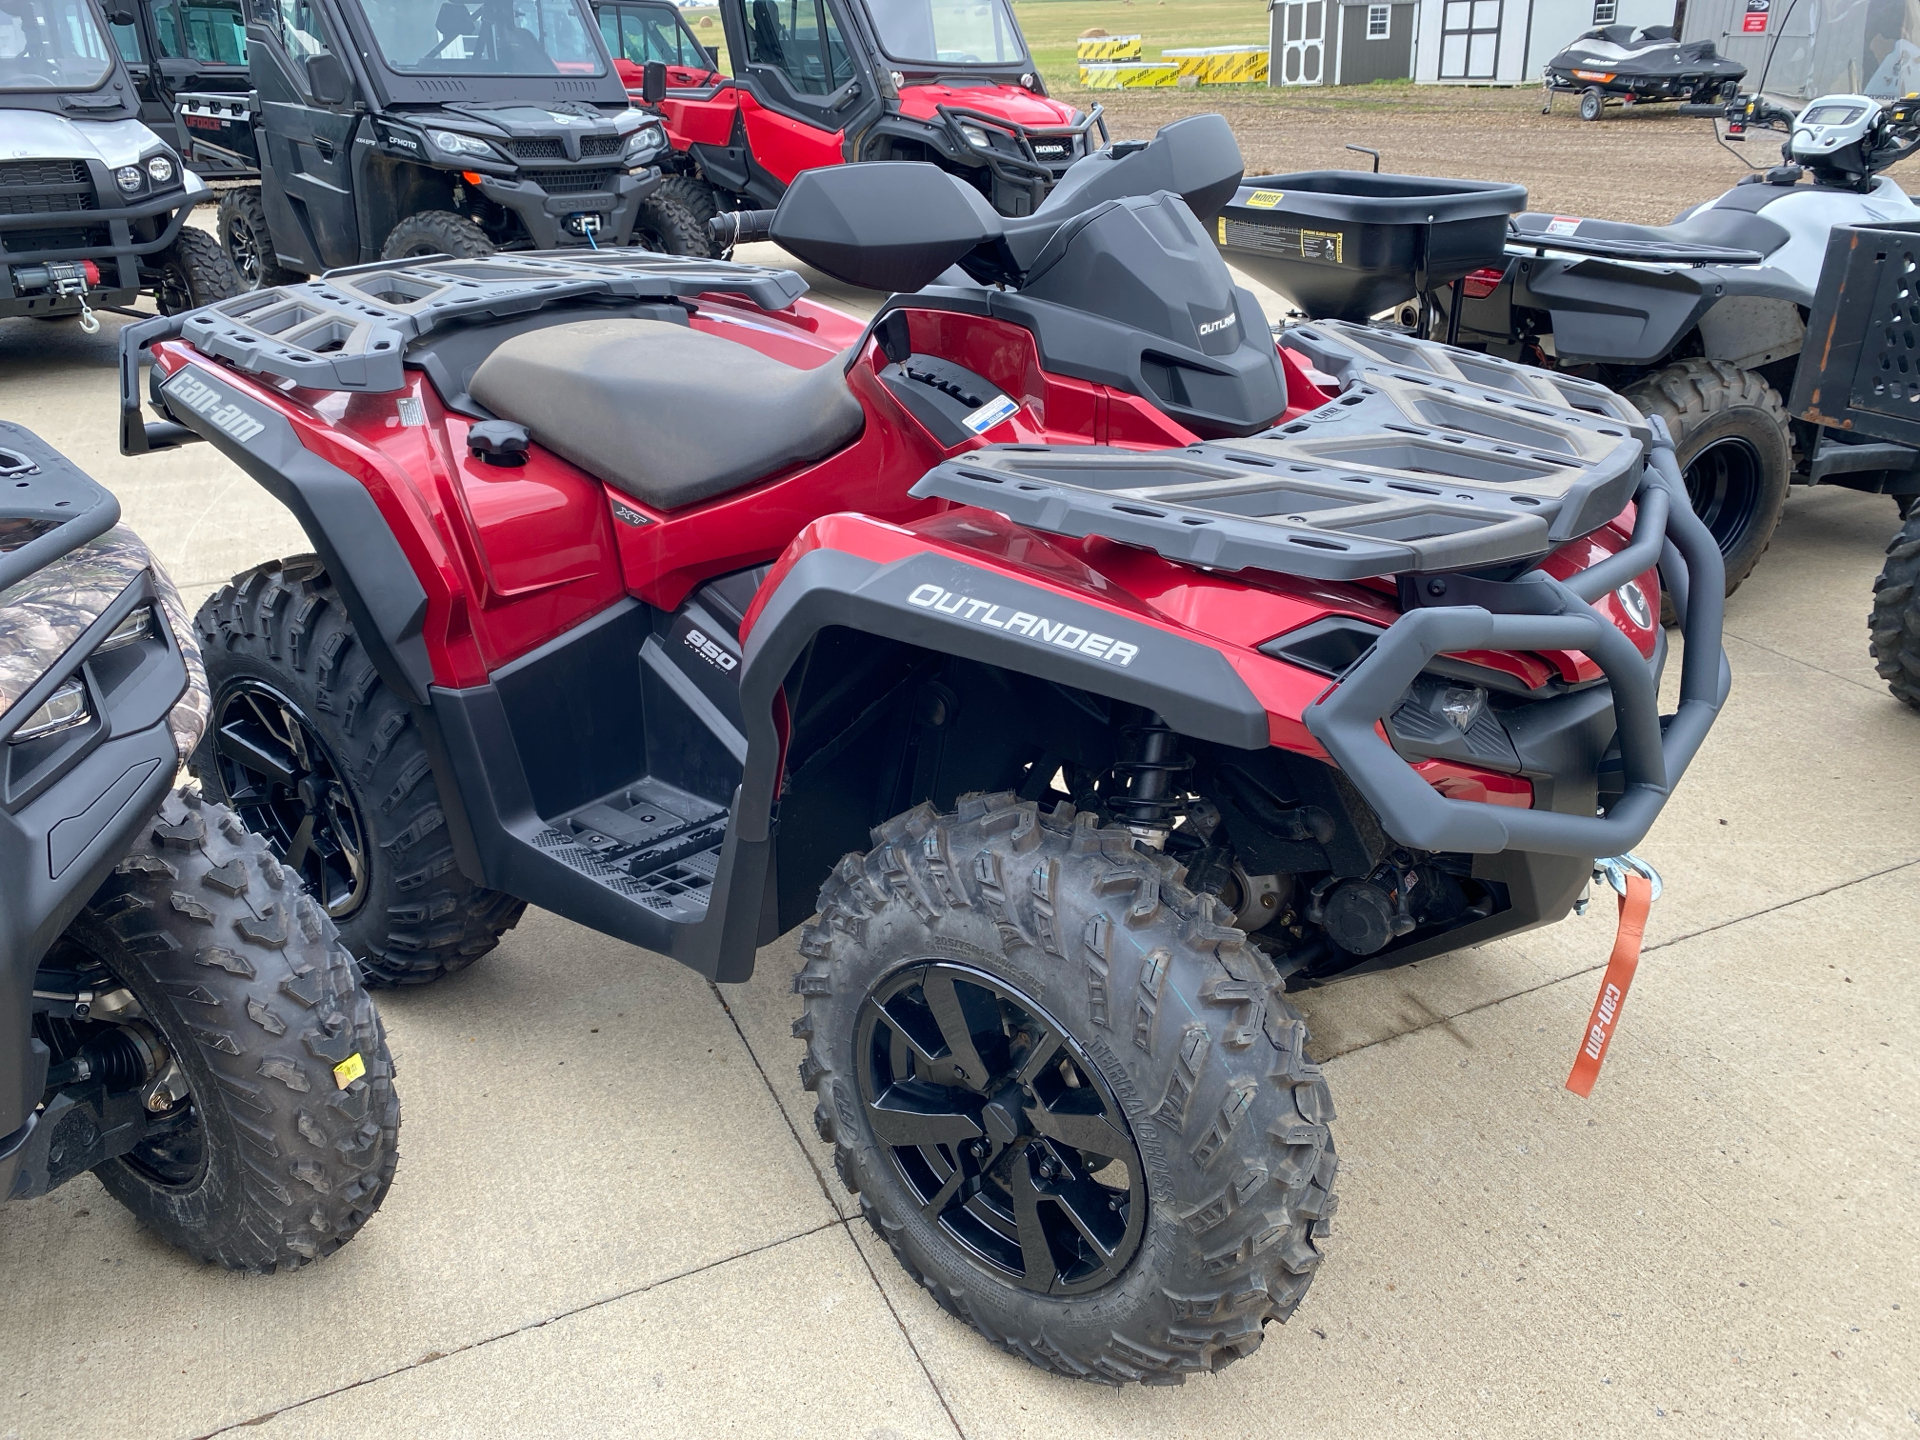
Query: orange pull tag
1613	985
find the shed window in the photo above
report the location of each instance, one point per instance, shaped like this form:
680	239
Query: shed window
1380	21
1604	11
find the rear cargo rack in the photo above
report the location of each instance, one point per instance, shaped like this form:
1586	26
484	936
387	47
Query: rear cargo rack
350	329
1431	459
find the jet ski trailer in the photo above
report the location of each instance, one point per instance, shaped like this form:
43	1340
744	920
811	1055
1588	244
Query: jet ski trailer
1614	65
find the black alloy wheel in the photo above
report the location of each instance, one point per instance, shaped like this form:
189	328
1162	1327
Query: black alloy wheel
1001	1128
1724	483
243	250
285	785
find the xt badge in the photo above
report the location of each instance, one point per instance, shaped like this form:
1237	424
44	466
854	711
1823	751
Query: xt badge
1019	622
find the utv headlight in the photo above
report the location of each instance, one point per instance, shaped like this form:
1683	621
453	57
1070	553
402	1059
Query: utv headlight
644	144
160	170
448	143
975	136
65	708
128	178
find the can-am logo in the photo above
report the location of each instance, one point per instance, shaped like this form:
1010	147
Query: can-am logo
211	405
1019	622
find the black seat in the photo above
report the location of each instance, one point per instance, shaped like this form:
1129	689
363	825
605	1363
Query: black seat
670	415
1720	226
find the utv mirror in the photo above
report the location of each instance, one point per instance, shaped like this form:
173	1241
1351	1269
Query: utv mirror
327	79
888	225
120	17
653	82
1197	159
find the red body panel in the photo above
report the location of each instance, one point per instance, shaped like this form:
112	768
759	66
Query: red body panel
698	120
1008	102
679	77
783	146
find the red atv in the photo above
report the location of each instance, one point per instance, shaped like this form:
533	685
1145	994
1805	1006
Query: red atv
829	82
1081	671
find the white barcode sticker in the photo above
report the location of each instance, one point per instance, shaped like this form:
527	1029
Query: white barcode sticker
990	414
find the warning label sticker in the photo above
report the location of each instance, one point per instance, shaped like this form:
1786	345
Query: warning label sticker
1563	225
1325	246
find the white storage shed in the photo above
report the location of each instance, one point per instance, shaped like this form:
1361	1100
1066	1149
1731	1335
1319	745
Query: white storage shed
1508	42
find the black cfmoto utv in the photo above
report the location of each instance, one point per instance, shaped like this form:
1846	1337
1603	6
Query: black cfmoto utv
176	1014
394	128
93	204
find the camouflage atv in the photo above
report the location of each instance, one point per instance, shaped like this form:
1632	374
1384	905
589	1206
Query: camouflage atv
176	1015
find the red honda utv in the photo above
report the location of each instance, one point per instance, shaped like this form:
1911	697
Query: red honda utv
828	82
1080	671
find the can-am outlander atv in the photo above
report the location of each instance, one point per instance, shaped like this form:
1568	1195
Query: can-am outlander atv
176	1015
427	127
93	204
1702	322
1075	671
833	82
1614	64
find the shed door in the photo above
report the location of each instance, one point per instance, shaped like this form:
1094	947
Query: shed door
1469	39
1303	42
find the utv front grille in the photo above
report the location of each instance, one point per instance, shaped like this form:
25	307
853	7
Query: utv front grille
595	147
46	202
571	182
15	174
539	150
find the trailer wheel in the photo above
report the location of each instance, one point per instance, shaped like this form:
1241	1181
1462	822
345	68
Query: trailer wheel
1592	106
436	232
1894	624
312	749
191	272
1071	1098
673	219
275	1124
1731	439
243	230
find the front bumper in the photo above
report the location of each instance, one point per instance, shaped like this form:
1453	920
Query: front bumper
546	216
1537	612
1022	165
118	252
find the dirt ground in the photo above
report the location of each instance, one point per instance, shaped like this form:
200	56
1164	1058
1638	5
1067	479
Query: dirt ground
1642	166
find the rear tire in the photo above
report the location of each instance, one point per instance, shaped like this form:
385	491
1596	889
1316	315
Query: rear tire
1151	1028
1592	107
436	232
274	1161
191	272
1731	440
1894	624
673	219
280	653
244	235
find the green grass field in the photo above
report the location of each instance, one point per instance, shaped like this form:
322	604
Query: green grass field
1053	26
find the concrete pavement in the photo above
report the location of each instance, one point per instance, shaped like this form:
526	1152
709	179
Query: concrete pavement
612	1216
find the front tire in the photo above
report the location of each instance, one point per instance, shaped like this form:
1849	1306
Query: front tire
314	751
673	219
1894	625
1071	1098
244	235
1592	107
436	232
191	272
285	1140
1735	452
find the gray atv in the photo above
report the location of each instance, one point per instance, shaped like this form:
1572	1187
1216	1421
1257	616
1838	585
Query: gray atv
176	1015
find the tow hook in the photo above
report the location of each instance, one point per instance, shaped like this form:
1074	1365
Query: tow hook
67	279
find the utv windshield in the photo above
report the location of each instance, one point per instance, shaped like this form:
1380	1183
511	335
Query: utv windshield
214	32
51	45
948	32
493	37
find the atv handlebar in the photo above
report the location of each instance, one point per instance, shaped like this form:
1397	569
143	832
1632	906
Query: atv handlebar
1549	614
740	227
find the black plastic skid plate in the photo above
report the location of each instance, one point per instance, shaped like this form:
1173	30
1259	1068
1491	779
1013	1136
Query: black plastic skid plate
1431	459
350	329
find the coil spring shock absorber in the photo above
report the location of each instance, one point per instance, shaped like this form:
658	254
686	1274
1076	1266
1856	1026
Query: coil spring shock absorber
1152	763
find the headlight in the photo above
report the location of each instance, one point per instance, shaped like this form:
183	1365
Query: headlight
65	708
645	144
447	142
160	170
137	626
975	136
127	177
